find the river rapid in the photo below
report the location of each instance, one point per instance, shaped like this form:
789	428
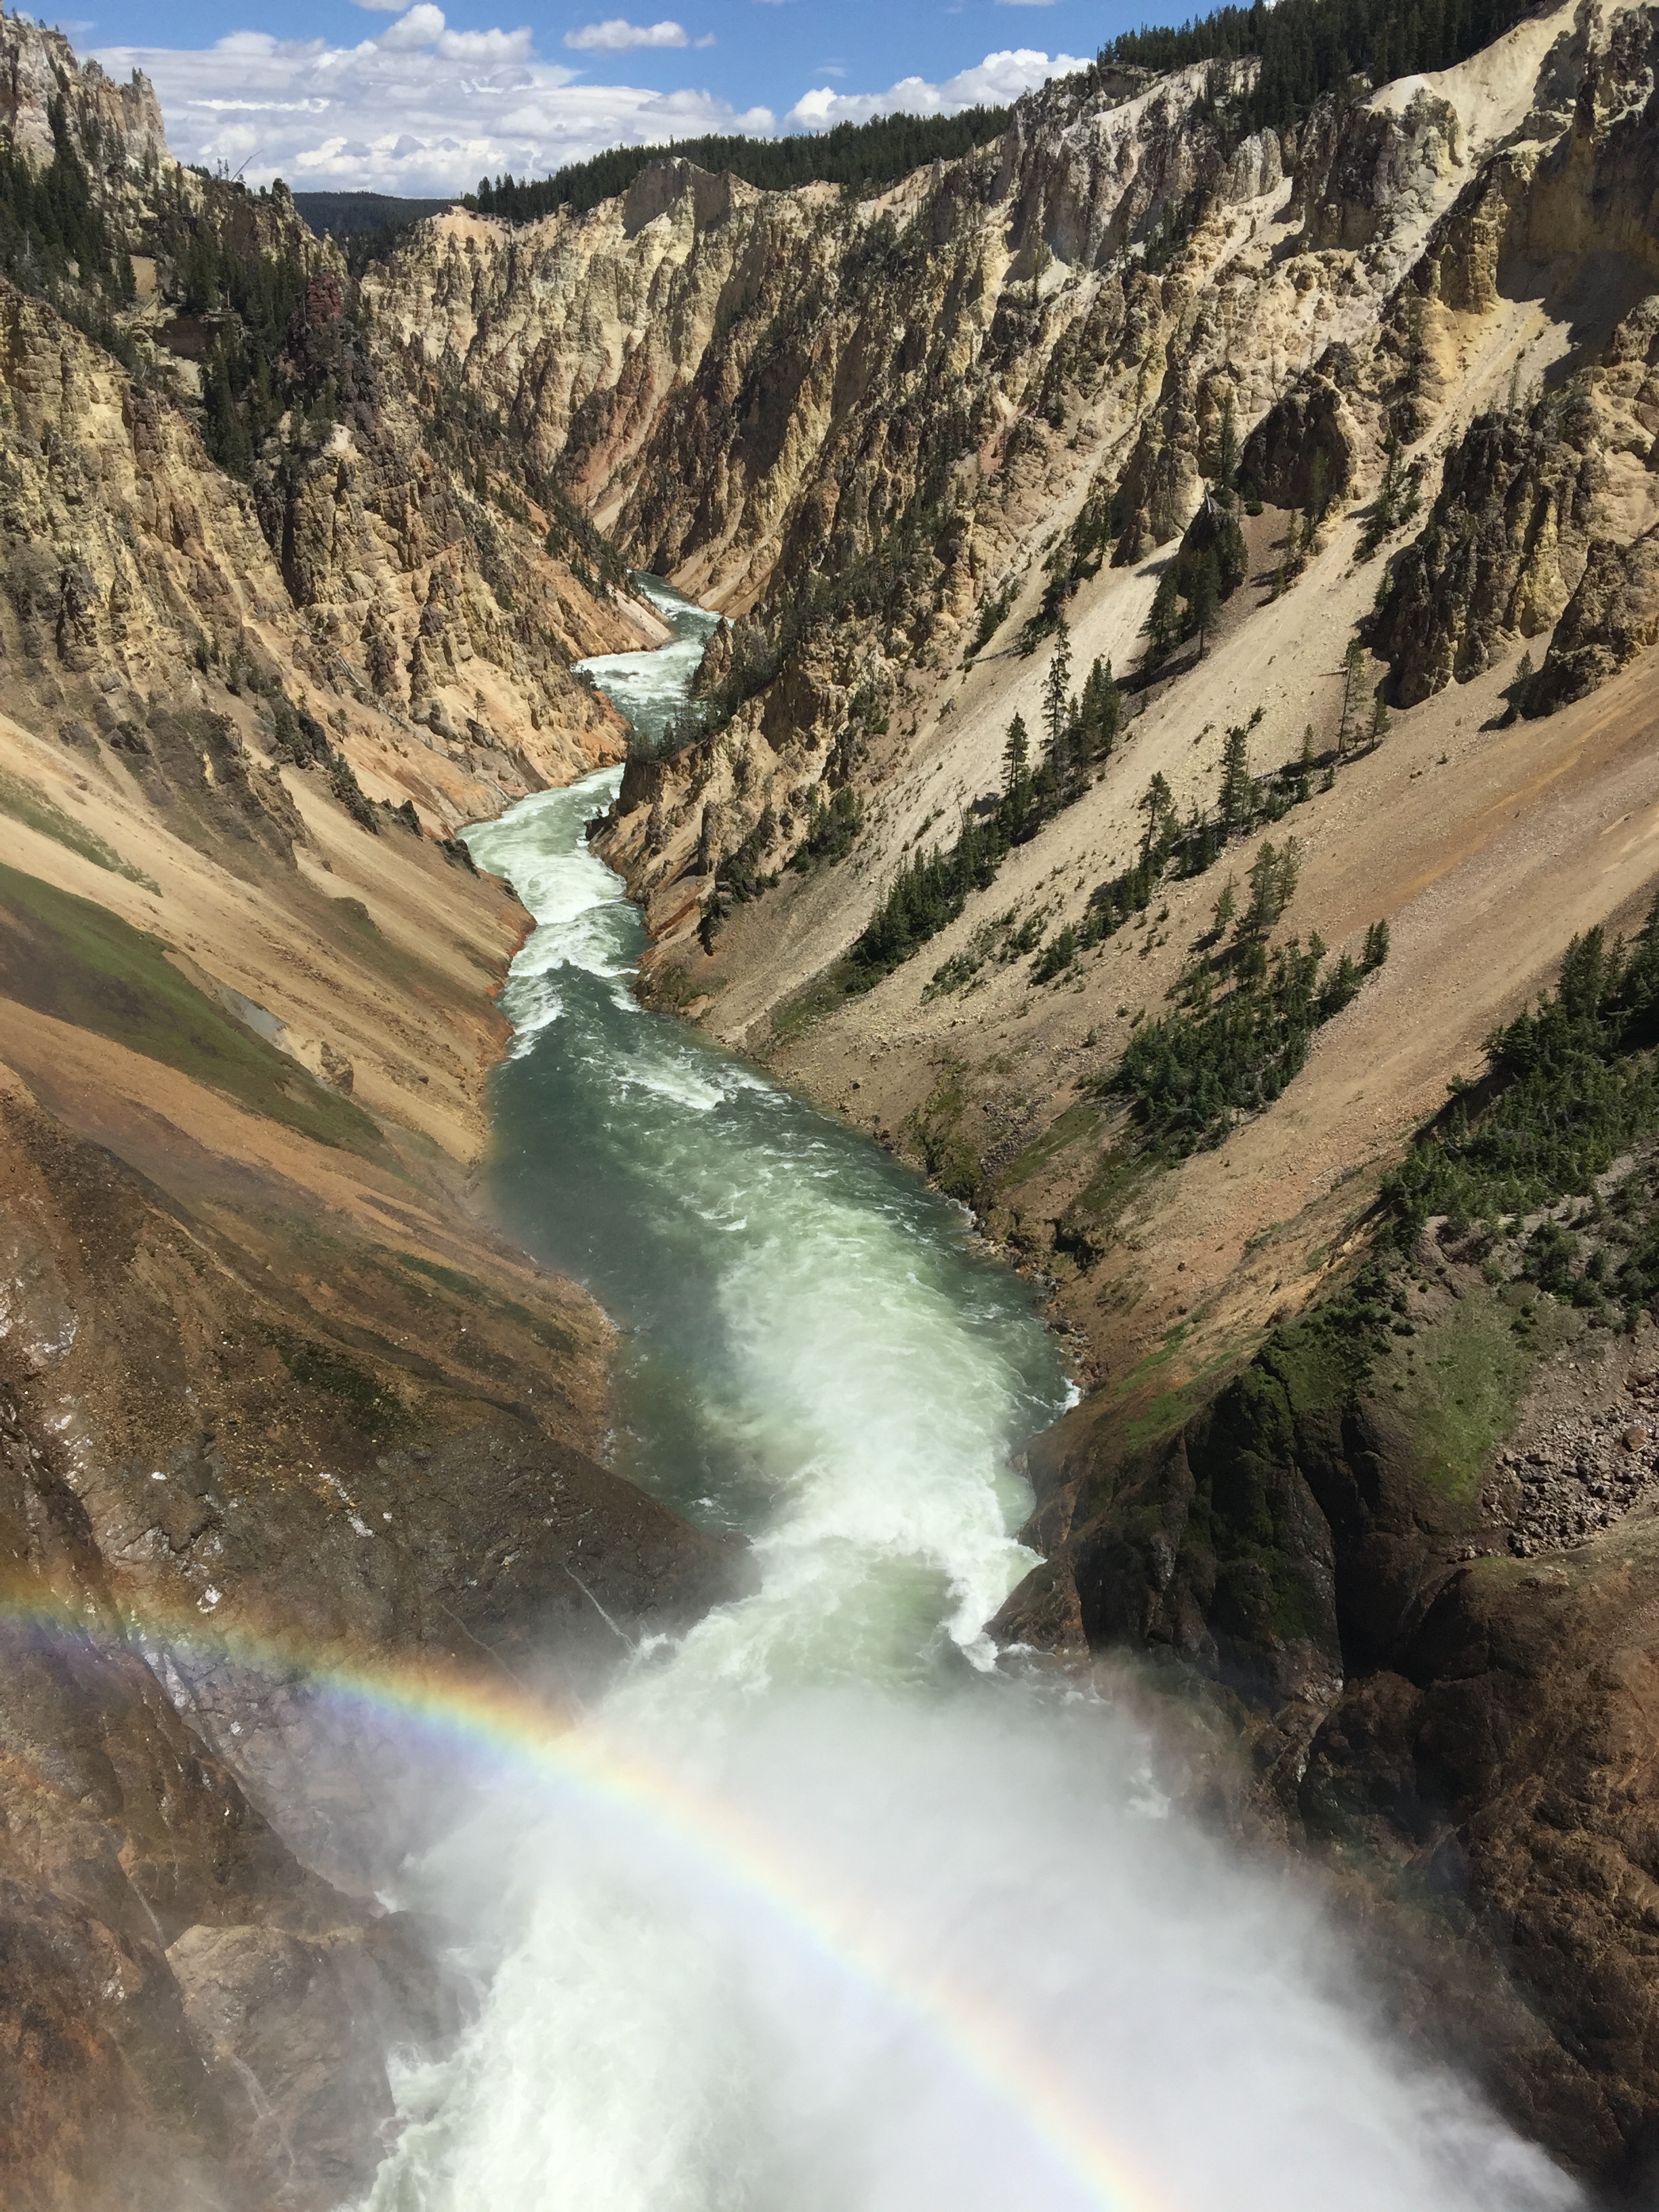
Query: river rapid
834	1908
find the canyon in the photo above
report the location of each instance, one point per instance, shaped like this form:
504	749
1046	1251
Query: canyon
1355	1505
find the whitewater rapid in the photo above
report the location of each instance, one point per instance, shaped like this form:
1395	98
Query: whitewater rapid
832	1908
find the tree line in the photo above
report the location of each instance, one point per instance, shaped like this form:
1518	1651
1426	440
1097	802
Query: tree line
863	157
1570	1085
1191	1075
1308	48
55	242
246	381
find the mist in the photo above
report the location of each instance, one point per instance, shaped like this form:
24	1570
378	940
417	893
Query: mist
950	1951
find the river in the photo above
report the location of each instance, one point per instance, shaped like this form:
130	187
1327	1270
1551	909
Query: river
883	1919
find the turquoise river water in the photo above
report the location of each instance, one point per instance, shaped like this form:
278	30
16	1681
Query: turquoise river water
836	1908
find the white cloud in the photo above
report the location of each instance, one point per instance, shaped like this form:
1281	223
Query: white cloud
421	27
1026	3
255	44
417	108
616	35
491	47
997	80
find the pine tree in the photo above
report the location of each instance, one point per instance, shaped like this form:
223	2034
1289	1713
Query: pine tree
1380	721
1016	757
1057	692
1273	875
1226	472
1232	556
1416	350
1353	680
1206	598
1385	508
1101	712
1156	803
1387	493
1075	742
1319	497
1236	804
1164	622
1226	906
1304	766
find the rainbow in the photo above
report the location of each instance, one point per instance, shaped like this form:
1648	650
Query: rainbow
495	1715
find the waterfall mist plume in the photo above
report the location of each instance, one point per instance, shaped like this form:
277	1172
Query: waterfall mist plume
842	1949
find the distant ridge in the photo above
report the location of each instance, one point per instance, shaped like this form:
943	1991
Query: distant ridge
339	214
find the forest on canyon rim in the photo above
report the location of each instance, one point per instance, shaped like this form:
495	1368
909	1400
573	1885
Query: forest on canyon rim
1178	770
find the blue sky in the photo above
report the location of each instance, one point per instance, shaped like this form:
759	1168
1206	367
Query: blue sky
422	98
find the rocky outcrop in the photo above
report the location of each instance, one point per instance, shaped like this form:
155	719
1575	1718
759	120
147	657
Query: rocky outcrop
242	1452
1524	507
1504	546
133	573
273	1406
122	122
131	1856
284	1386
1115	280
1306	447
404	573
1363	172
1612	617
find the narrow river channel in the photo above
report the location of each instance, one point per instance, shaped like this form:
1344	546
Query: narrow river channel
874	1918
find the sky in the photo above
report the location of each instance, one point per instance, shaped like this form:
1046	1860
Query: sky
424	99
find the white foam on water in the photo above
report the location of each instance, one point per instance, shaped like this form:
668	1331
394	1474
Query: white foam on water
651	688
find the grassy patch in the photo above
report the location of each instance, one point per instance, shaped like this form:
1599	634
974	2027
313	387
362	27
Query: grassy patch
827	991
1077	1121
70	959
1087	1227
1169	1409
545	1332
363	1401
1464	1381
354	911
950	1160
1115	1176
28	804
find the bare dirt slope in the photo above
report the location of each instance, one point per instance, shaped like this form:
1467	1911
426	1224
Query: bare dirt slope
1484	849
